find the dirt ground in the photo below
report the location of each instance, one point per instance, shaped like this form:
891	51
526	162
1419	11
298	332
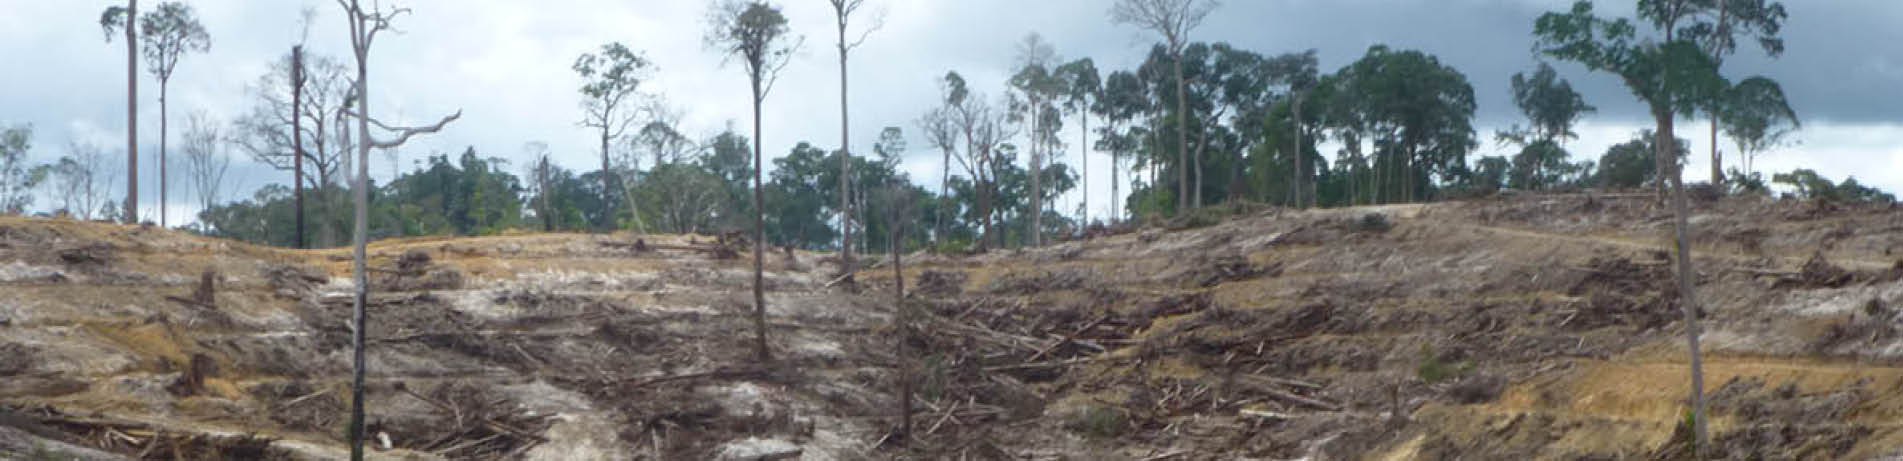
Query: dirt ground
1529	327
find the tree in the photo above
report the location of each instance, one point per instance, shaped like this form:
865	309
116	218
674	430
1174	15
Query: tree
169	32
17	179
611	83
1631	165
117	17
296	123
1172	19
364	26
1809	185
1551	108
1757	19
1417	112
1124	98
942	132
756	33
1298	71
1040	89
540	186
1671	77
842	11
1083	88
985	130
897	202
205	159
80	181
1757	117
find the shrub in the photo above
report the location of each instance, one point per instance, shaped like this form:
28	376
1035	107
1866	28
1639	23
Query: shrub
1373	223
1097	421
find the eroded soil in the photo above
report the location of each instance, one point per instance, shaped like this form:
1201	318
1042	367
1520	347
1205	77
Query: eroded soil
1534	327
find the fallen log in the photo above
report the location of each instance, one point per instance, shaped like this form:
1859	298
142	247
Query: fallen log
1068	338
1271	389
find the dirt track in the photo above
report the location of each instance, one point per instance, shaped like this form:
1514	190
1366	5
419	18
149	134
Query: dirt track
1535	327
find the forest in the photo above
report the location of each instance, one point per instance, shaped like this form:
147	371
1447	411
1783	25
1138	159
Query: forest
1197	124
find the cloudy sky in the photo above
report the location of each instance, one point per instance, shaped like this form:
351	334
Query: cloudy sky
505	63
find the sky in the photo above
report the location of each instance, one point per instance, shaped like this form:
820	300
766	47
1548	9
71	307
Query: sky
506	65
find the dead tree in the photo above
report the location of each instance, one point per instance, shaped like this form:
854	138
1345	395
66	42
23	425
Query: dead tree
364	26
897	206
843	10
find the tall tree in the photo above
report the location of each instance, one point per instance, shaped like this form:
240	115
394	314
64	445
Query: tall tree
539	184
81	181
1172	19
1083	88
297	137
941	130
169	32
1124	98
205	159
1671	77
294	124
1298	72
1551	108
116	17
1760	20
364	27
756	33
17	179
842	12
1417	111
1040	88
611	84
1757	117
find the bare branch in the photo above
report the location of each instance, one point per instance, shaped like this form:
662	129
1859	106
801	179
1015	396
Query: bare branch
404	133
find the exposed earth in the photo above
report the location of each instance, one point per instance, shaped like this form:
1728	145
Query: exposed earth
1522	327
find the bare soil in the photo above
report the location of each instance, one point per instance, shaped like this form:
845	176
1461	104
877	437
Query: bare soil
1530	327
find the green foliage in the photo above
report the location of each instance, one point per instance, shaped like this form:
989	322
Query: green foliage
1549	103
1675	77
168	31
17	179
1417	112
1374	223
1097	421
1807	184
1490	173
610	75
1433	369
1757	117
1742	183
1633	163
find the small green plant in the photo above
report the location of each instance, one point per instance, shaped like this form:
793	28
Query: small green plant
1373	223
1434	370
1097	421
41	453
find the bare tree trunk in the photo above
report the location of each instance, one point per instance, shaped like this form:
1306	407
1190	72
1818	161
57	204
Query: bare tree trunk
132	112
1037	170
162	132
607	190
905	330
1717	161
297	140
944	189
359	236
1182	133
548	211
1085	113
845	161
1116	214
760	351
1687	296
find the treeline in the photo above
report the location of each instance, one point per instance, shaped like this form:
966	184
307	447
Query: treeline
1193	125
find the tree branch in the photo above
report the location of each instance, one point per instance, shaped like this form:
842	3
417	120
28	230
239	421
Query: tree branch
403	133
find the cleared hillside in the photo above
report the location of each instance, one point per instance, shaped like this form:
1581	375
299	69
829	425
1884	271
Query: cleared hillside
1528	327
